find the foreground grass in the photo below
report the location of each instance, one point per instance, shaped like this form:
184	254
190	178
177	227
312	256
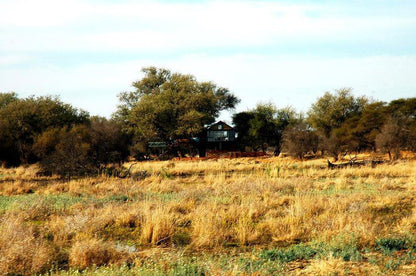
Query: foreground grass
236	217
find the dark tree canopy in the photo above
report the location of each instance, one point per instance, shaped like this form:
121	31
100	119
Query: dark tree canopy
22	120
331	110
336	117
300	139
263	126
166	106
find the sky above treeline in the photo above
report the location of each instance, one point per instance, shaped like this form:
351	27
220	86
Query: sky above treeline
285	52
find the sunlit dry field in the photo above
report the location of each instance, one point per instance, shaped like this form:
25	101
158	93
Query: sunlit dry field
243	216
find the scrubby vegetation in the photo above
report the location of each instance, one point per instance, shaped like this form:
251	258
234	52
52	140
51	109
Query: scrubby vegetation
229	216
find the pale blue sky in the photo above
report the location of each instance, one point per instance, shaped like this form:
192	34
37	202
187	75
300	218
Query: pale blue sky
286	52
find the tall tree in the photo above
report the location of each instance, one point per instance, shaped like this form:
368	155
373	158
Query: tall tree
166	106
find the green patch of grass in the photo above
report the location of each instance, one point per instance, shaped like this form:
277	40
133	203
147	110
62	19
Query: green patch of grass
29	201
348	251
295	252
58	202
392	244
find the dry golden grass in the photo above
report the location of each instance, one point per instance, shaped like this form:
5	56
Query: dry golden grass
203	206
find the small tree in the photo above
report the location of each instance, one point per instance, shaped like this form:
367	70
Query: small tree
66	152
263	126
391	138
300	139
108	144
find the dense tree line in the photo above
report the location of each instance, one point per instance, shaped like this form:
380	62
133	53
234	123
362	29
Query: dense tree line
166	106
63	139
337	123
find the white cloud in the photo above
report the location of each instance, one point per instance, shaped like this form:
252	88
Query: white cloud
75	25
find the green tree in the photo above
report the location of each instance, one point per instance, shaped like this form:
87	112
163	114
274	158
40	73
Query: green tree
263	126
241	122
22	120
335	116
363	129
166	106
6	98
331	110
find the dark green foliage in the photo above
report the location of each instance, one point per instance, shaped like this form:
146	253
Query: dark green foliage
392	244
348	251
65	140
331	110
22	120
364	129
242	126
108	143
295	252
82	149
263	126
6	98
391	138
403	113
335	116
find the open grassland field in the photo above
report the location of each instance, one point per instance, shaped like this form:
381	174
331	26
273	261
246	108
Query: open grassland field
244	216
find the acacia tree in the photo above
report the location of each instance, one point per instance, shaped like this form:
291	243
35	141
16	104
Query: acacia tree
333	116
166	106
300	139
391	138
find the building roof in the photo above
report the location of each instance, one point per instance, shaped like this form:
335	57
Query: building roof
220	125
